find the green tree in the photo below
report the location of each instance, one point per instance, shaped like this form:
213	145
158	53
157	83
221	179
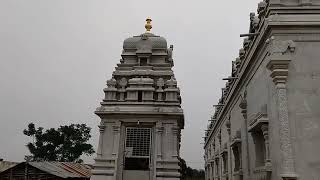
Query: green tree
183	168
187	173
65	144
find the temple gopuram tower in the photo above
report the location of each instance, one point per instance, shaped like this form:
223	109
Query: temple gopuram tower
141	115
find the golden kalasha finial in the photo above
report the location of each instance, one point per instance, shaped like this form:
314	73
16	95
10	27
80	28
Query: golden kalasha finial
148	25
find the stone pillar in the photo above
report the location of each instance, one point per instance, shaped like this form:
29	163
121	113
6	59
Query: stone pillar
159	131
278	65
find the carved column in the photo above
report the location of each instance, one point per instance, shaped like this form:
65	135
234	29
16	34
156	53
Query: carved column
159	131
278	65
102	128
265	131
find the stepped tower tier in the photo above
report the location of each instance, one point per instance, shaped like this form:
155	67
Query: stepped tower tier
141	114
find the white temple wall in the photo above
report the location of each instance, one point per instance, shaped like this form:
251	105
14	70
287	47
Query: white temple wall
238	124
303	104
257	96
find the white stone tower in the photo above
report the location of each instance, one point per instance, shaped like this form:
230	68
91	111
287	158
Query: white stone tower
141	116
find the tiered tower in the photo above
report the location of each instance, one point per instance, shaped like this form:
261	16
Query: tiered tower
141	116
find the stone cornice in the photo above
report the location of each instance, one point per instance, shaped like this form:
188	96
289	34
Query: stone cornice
237	86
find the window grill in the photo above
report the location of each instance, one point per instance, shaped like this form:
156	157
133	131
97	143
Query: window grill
138	142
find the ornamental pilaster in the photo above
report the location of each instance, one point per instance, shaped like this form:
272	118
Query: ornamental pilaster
159	132
116	138
280	57
175	132
265	132
100	146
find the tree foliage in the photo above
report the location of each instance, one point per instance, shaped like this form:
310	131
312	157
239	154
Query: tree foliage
187	173
65	144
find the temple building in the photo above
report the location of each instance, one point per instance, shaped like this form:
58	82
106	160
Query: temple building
141	115
266	125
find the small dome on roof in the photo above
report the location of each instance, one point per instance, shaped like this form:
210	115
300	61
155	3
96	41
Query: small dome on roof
146	40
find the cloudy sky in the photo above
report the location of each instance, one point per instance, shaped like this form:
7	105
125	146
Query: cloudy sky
55	56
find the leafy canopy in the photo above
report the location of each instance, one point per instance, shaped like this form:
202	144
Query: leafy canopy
64	144
187	173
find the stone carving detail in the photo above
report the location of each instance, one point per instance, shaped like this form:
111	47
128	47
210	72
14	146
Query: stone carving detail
262	8
234	69
111	90
160	83
112	83
238	63
242	54
123	83
246	43
254	23
285	138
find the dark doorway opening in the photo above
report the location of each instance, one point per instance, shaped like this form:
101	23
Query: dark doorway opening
137	164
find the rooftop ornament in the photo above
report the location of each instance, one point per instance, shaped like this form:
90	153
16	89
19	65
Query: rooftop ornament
148	25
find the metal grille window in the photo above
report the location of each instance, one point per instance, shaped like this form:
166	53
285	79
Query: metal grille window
138	142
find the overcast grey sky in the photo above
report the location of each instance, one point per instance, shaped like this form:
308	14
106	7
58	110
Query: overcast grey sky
55	56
